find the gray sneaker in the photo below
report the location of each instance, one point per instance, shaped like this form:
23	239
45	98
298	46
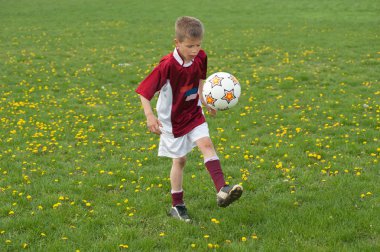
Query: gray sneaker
228	194
179	212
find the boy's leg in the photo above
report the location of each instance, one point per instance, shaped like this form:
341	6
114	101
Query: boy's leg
176	178
178	209
225	194
212	162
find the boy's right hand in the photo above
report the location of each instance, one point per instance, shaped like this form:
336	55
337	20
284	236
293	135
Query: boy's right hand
153	124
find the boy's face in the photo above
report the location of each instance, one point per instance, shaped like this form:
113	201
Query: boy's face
188	48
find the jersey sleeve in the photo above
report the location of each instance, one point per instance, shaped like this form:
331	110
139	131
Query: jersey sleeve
153	82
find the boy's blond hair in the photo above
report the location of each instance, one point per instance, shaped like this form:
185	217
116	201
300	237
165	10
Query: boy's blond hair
188	27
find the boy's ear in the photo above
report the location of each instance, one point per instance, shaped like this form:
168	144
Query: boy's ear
176	42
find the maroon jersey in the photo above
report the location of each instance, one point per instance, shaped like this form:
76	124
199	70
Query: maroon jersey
178	106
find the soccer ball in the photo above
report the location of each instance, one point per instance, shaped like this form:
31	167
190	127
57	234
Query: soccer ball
221	91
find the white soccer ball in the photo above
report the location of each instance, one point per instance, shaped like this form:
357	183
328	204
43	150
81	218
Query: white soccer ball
221	91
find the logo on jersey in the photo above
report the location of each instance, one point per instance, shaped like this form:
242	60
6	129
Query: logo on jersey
190	92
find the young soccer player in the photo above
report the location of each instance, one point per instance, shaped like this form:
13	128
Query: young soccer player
181	123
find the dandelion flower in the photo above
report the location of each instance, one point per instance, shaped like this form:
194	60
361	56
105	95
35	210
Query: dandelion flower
123	246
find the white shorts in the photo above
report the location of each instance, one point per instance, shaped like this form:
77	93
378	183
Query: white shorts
178	147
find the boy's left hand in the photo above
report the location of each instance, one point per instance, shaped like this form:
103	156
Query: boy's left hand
211	111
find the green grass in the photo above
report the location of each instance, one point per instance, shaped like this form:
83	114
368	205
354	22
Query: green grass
79	171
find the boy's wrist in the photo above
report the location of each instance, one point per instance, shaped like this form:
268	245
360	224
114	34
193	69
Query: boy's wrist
149	114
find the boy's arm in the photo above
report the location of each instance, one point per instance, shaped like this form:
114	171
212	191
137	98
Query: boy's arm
151	120
209	109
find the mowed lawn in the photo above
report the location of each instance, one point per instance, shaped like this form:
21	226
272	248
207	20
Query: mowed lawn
79	170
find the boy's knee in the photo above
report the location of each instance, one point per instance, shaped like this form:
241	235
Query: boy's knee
180	161
206	145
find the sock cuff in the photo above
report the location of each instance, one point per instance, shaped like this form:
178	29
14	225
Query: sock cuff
213	158
174	192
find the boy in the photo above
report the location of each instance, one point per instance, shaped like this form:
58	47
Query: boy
181	123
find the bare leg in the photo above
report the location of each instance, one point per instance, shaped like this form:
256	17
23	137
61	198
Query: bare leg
206	147
176	179
176	173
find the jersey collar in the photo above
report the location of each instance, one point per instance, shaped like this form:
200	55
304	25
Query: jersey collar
180	60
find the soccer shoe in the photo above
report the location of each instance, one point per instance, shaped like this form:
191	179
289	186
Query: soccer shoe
228	194
179	212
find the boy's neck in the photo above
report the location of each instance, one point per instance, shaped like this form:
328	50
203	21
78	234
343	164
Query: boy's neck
182	57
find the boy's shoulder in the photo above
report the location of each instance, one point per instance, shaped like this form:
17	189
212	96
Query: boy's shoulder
166	58
202	54
166	61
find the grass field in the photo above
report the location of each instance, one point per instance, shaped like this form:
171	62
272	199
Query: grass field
79	171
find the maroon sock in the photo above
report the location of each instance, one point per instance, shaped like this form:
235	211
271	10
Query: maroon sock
177	198
215	170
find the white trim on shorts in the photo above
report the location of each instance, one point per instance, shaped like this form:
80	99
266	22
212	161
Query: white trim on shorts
179	147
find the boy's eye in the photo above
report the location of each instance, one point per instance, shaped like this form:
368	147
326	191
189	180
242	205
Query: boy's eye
191	46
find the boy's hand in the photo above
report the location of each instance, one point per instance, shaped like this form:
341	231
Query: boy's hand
211	111
153	124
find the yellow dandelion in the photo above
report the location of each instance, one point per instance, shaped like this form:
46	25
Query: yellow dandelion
55	206
123	246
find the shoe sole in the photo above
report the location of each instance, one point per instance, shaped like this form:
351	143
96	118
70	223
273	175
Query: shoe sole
233	195
179	218
176	216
